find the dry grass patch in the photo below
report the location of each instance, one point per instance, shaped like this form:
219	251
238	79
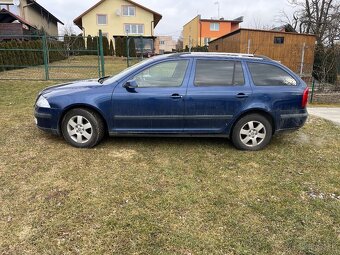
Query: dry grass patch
164	195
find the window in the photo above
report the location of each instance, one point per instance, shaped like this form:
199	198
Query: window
279	40
166	74
129	10
101	19
269	75
214	26
218	73
136	29
161	42
206	41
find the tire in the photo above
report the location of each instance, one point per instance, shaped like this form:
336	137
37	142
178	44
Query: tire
82	128
252	132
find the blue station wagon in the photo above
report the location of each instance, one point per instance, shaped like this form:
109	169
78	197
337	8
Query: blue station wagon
243	97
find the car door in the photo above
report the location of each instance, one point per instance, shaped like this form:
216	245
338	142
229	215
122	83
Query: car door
154	102
217	91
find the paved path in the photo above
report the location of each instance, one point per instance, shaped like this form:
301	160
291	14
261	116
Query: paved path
332	114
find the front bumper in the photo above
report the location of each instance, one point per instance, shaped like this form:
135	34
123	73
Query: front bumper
47	119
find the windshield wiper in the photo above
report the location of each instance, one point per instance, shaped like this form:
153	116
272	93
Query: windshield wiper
102	79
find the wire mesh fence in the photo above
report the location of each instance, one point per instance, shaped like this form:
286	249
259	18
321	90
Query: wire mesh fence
41	57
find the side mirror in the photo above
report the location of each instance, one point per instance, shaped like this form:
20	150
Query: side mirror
132	84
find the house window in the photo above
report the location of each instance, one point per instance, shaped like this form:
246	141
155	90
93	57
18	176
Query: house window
216	47
137	29
101	19
214	26
129	10
206	41
279	40
161	42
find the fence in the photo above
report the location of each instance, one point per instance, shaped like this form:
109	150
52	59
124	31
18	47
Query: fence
42	57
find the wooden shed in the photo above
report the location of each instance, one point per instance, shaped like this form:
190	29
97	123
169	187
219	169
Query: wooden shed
294	50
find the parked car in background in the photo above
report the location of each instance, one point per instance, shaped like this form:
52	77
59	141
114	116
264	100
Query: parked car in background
243	97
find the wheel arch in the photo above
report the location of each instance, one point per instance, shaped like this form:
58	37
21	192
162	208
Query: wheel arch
82	106
260	111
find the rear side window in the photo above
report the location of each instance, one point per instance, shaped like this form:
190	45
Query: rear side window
218	73
269	75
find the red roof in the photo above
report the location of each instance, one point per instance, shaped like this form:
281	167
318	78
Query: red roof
157	17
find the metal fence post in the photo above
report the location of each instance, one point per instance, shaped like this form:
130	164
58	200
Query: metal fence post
313	88
45	53
101	52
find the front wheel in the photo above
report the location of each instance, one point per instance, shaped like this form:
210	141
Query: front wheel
82	128
252	132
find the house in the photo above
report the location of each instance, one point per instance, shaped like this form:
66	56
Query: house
118	18
199	32
294	50
20	17
164	44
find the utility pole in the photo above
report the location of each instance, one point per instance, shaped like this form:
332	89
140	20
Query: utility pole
302	58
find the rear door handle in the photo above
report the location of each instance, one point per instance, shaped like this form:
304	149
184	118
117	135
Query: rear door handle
176	96
241	95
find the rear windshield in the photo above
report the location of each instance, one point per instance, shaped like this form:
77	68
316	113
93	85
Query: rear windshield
270	75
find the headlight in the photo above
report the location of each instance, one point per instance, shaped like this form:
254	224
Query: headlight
43	103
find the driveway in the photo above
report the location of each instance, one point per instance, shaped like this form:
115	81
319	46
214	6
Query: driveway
332	114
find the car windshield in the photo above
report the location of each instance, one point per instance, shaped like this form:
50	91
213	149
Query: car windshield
131	69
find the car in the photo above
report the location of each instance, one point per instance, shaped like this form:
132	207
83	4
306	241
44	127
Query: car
243	97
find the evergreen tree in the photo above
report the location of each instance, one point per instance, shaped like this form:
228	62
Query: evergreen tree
106	46
89	43
124	48
112	50
132	48
318	57
118	42
331	68
95	45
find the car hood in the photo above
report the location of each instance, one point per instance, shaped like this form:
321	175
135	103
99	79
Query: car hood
72	87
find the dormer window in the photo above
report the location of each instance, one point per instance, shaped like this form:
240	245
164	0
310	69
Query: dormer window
129	10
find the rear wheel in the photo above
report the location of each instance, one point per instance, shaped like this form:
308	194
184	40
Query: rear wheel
252	132
82	128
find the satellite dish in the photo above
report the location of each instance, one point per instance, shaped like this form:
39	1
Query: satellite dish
16	2
118	12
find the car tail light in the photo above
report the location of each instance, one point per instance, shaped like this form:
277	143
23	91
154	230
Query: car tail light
305	98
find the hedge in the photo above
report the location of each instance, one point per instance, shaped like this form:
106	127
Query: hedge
28	54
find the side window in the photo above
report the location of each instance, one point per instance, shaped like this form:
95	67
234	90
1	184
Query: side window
218	73
166	74
269	75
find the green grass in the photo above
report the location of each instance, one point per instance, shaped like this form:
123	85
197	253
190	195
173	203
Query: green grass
164	195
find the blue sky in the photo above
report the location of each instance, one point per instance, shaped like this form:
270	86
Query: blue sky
257	13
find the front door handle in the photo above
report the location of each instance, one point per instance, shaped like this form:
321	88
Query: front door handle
176	96
241	95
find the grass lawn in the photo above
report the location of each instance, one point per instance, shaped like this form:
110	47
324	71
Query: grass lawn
164	195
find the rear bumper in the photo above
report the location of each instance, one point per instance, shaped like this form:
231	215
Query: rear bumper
46	119
292	121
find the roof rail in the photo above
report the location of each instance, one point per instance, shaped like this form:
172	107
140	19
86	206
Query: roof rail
223	54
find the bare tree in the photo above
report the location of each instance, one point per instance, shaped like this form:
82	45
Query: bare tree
68	29
319	17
